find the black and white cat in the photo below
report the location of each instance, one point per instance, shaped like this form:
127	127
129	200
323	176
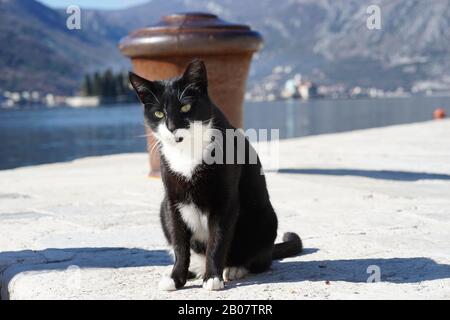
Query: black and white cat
217	217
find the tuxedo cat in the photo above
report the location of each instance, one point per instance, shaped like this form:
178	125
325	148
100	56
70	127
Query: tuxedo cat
217	216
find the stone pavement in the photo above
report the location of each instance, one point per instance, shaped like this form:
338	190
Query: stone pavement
369	205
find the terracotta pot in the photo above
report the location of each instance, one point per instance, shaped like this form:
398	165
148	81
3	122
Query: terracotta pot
165	49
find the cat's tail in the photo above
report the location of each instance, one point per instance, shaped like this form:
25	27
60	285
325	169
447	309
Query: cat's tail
291	246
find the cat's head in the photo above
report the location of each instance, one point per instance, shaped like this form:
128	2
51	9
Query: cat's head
178	103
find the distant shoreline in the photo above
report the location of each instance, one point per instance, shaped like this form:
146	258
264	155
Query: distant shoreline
106	103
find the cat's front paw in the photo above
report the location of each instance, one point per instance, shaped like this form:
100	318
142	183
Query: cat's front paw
167	284
213	284
174	282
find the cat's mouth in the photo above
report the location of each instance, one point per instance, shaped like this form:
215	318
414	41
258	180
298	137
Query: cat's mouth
197	133
179	135
171	138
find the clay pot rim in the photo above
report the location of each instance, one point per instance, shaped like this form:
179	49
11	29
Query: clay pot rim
194	32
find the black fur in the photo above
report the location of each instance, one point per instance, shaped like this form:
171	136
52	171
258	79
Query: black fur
241	221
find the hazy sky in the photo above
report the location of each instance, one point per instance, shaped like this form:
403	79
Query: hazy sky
104	4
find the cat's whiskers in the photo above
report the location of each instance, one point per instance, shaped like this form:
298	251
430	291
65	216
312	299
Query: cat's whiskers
210	120
219	129
146	135
147	127
157	144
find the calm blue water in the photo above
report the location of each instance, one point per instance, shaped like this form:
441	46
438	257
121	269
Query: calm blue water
39	136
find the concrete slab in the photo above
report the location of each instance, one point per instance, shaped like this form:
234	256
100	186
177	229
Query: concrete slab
363	202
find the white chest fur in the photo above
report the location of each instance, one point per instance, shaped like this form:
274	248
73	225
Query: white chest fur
181	159
196	221
184	157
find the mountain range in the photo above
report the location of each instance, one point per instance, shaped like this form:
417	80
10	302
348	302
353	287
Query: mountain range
328	41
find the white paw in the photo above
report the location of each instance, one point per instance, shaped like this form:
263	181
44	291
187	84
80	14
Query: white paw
213	284
234	273
167	284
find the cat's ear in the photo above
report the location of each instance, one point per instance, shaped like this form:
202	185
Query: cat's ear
145	89
196	77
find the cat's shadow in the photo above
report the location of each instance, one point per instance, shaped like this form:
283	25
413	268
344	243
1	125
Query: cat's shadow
393	270
390	270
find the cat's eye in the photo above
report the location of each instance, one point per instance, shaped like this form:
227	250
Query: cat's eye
159	114
186	108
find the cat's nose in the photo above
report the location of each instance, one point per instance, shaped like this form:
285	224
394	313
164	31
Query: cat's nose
171	126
